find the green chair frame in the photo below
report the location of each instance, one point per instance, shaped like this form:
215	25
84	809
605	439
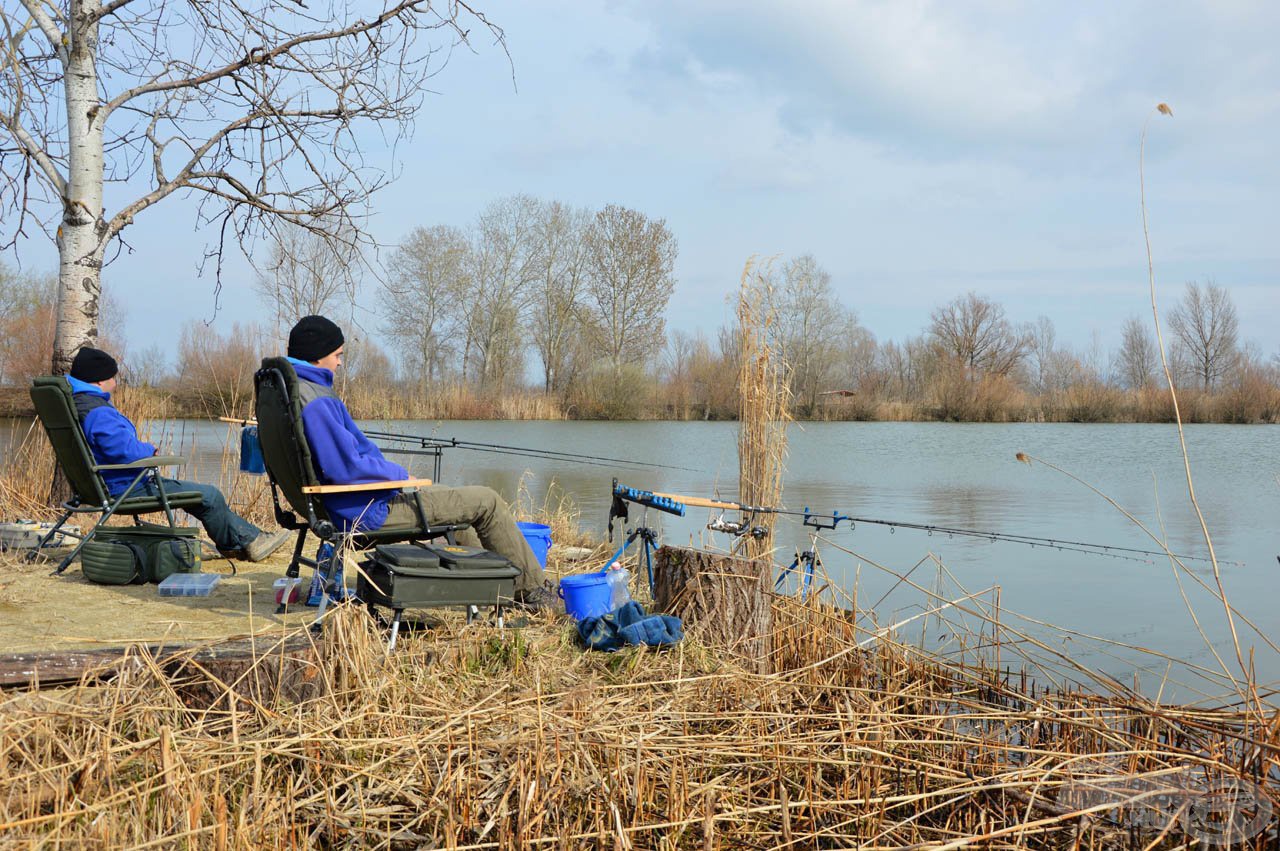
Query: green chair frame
56	411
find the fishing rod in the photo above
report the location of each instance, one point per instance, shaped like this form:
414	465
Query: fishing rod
525	451
833	519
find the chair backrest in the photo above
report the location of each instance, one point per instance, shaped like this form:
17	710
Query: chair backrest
51	395
285	451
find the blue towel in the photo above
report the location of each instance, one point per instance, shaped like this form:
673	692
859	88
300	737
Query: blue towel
628	624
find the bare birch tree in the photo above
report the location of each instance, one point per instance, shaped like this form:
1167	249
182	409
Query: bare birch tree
1206	326
252	107
629	283
424	301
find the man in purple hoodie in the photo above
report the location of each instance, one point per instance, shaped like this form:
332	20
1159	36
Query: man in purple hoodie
343	455
113	439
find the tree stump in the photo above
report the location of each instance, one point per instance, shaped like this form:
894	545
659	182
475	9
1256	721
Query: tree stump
726	600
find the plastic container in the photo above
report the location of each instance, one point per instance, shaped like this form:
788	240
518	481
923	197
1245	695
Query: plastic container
539	537
189	585
287	586
586	595
619	592
26	534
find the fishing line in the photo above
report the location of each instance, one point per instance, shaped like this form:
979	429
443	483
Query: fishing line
526	451
1032	540
395	450
832	520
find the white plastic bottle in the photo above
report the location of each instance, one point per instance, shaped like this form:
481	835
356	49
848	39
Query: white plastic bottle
619	594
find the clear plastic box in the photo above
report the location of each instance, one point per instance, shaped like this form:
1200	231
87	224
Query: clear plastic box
189	585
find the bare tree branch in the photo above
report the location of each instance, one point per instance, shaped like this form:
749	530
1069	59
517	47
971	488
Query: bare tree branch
46	24
35	153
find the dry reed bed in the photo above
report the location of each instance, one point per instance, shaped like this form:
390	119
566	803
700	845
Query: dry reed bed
481	739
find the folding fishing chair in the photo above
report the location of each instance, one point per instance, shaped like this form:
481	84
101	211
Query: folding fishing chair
292	473
57	413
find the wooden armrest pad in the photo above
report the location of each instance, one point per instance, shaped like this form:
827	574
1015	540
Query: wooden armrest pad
367	486
149	461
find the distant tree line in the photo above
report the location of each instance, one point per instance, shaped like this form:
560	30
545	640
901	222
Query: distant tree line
541	310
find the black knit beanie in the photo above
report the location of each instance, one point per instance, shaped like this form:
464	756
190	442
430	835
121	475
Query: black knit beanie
93	365
314	337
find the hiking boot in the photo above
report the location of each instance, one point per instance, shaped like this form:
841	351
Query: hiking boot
261	547
539	599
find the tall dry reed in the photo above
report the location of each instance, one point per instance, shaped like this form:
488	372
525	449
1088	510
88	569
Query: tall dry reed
763	402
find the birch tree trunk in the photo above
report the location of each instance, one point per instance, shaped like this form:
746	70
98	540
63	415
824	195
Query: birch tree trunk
82	235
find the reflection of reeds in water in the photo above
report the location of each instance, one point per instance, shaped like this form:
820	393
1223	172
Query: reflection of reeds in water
763	403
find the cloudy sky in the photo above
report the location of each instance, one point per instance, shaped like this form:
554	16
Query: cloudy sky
917	149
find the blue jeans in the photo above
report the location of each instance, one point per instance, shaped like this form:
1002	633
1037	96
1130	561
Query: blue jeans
228	530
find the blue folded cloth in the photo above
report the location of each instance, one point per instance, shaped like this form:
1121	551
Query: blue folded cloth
629	624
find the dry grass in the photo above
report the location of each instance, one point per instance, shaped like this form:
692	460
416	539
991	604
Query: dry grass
471	738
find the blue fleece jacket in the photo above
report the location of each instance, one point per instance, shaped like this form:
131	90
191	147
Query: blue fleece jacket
112	438
344	456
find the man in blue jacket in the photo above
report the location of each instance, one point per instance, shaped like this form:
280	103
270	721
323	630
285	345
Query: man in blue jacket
343	455
114	440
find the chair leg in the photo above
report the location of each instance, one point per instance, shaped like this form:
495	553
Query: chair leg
66	562
293	571
31	556
395	629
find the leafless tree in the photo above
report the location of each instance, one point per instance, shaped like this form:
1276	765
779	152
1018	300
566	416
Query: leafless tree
306	272
216	371
1137	360
504	265
253	107
1206	327
973	330
148	367
807	314
630	259
557	320
424	300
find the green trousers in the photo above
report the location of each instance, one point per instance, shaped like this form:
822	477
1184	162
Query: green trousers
492	525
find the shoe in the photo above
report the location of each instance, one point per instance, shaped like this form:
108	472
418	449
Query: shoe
539	600
261	547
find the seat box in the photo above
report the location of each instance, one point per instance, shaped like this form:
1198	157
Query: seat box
401	576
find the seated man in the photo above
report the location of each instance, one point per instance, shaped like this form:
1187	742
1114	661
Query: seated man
344	456
114	440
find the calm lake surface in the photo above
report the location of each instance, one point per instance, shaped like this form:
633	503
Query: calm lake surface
953	475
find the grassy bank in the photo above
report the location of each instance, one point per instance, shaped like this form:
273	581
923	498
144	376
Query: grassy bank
474	738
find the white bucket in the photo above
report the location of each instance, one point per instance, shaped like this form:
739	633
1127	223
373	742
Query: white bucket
26	534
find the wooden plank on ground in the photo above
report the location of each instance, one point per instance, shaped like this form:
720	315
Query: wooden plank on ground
64	667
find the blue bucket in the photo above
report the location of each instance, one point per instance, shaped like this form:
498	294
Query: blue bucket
586	595
539	537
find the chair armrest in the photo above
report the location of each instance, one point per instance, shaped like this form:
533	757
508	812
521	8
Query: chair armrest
367	486
141	463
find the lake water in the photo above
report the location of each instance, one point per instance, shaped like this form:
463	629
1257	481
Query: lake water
952	475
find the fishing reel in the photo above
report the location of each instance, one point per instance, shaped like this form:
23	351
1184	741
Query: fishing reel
738	528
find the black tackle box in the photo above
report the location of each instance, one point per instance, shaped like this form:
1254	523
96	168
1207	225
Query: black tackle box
418	576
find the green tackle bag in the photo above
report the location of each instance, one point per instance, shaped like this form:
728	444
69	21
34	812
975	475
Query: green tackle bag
148	552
